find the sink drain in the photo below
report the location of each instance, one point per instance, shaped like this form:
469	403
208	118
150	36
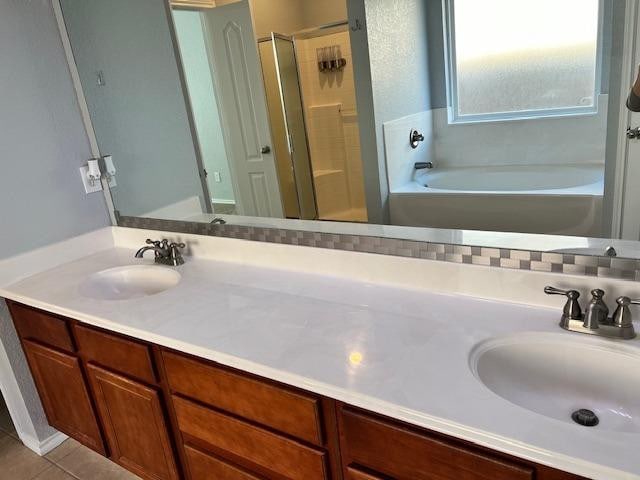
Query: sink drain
585	417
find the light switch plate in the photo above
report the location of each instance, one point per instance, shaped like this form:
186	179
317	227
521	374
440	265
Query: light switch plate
88	188
216	177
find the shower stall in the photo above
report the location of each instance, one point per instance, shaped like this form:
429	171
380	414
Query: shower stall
310	94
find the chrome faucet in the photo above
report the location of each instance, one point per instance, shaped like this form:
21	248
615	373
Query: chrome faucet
166	253
596	320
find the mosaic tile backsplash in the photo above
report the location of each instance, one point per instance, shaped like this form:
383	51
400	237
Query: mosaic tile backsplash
595	266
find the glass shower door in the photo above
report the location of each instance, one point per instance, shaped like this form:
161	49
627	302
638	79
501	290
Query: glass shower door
291	96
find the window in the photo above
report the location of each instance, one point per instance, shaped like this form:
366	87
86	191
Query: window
510	59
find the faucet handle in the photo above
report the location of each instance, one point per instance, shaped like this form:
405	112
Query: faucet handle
155	243
572	308
622	316
174	253
597	296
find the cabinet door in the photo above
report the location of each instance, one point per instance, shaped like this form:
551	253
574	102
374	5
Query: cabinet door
134	425
64	394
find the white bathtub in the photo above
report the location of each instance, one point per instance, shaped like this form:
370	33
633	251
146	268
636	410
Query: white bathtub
552	199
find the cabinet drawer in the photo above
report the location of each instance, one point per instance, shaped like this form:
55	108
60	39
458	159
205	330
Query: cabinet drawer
282	409
203	466
45	328
357	474
260	447
406	455
116	353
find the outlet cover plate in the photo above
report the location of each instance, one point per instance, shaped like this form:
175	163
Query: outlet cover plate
88	188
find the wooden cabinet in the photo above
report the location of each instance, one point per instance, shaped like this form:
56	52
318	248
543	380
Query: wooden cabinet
377	448
354	473
116	353
134	425
64	394
42	327
149	403
260	448
267	403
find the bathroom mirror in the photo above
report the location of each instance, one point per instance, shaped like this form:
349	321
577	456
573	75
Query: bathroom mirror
448	114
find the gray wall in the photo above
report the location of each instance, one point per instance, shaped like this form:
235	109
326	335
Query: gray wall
391	69
204	104
42	138
139	115
42	144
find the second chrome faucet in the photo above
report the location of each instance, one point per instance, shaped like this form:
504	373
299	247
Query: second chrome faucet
596	320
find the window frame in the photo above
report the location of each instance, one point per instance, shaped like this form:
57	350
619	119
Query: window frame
451	75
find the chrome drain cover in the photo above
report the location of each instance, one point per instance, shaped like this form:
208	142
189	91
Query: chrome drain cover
585	417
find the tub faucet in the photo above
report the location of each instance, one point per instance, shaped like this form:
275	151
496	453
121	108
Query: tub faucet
166	253
423	165
596	320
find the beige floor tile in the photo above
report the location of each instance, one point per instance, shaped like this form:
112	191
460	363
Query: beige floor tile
17	462
62	450
54	473
6	424
85	464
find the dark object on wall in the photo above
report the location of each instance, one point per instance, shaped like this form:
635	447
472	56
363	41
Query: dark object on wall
633	101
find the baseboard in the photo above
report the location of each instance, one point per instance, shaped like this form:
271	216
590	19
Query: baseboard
45	446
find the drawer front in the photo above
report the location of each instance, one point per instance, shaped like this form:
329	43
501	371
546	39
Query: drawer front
357	474
45	328
203	466
405	455
261	447
277	407
116	353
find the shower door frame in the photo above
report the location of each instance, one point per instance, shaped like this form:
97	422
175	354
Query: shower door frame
291	39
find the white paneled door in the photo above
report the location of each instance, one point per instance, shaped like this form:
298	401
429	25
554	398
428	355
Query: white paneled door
630	167
234	58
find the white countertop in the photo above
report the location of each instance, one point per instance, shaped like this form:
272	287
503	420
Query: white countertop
303	329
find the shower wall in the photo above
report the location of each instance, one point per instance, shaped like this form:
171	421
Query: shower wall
332	127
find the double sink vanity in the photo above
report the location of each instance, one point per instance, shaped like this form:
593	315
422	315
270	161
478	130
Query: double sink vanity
242	364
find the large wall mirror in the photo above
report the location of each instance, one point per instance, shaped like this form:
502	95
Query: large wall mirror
450	114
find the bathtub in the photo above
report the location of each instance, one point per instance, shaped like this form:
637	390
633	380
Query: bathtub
550	199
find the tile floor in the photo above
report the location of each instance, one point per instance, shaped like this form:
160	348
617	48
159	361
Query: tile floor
69	461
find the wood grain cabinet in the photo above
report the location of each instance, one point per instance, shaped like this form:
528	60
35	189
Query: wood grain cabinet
165	415
64	395
134	425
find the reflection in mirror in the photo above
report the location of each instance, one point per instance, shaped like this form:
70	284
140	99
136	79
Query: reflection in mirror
281	148
131	80
410	113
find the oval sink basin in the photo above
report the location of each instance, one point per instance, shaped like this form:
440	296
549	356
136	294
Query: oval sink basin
556	375
124	283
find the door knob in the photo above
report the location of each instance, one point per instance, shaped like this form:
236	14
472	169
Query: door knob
633	132
266	149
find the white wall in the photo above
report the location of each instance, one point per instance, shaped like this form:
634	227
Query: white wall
554	140
391	71
540	141
289	16
42	144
